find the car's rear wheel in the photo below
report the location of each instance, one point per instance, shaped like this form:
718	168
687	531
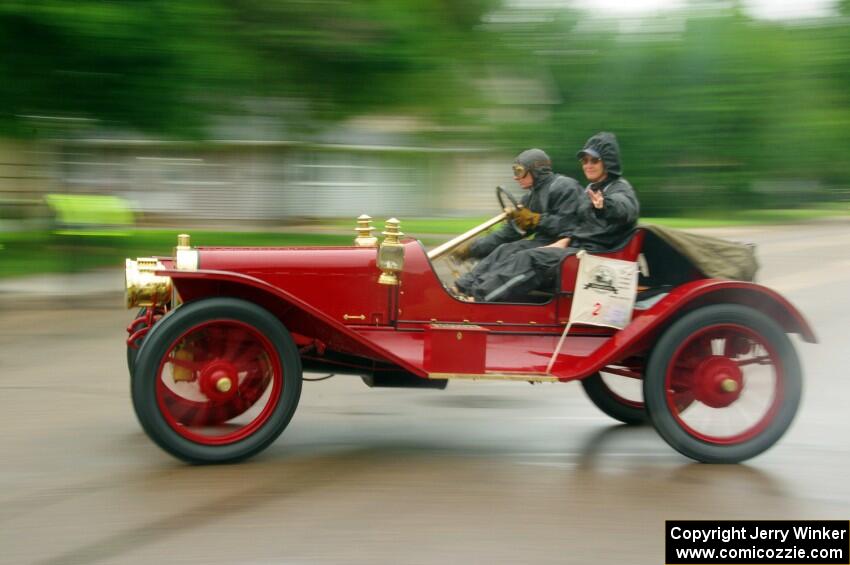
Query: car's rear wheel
619	397
217	382
723	384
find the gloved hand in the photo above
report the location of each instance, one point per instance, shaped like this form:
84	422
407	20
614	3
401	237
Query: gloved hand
525	219
462	251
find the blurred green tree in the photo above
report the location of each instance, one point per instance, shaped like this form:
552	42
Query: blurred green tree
713	110
351	57
166	66
127	63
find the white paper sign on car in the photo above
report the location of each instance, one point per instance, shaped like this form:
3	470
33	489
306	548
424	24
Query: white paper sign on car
605	292
604	295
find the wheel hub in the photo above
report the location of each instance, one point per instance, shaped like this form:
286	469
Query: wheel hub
219	380
718	381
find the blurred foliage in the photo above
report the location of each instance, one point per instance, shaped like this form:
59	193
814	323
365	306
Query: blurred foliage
353	56
128	63
166	67
712	108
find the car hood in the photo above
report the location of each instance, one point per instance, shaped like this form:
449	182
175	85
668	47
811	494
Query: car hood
261	261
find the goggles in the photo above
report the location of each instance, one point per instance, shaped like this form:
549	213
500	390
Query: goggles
519	170
588	159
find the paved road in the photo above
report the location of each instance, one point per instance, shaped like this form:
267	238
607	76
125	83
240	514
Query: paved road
481	472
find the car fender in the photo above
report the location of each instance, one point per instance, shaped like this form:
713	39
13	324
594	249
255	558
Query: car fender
302	319
714	291
647	325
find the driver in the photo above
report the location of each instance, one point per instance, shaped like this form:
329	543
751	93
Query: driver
546	210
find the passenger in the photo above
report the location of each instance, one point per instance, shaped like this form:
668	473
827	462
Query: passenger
546	210
604	217
610	212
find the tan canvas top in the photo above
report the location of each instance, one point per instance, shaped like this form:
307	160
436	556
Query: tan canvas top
715	257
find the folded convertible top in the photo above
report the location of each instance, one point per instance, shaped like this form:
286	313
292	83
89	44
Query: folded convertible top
714	257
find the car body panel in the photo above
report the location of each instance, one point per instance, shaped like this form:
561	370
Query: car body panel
341	282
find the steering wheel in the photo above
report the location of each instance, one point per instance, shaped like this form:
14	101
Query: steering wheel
501	194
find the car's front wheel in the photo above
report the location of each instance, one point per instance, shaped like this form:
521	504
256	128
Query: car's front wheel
217	382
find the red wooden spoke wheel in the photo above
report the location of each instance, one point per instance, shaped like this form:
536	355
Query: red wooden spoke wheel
217	381
723	383
722	397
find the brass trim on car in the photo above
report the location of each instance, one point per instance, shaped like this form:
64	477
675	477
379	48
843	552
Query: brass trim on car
185	258
364	229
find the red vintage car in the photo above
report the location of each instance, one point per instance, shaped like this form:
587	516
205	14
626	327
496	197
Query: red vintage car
219	347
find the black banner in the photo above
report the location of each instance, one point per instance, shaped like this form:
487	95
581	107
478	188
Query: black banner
759	542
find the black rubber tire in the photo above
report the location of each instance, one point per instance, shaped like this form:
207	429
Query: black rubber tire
655	395
157	344
601	395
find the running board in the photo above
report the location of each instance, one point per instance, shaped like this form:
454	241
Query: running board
494	376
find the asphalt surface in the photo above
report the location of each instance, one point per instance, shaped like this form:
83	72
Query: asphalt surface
479	473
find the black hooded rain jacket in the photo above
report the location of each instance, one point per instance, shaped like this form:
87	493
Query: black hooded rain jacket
605	229
554	197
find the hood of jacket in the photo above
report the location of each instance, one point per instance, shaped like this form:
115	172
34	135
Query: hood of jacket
604	146
538	163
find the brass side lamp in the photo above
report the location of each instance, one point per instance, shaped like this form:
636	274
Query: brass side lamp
391	253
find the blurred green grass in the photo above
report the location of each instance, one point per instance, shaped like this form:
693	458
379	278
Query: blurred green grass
37	252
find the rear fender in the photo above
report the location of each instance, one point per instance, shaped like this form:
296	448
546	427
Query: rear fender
300	318
639	337
756	296
648	324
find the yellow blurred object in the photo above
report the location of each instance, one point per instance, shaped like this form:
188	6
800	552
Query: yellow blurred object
91	214
180	373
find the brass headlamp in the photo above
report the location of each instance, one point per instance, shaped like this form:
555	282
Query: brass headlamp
391	253
142	287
